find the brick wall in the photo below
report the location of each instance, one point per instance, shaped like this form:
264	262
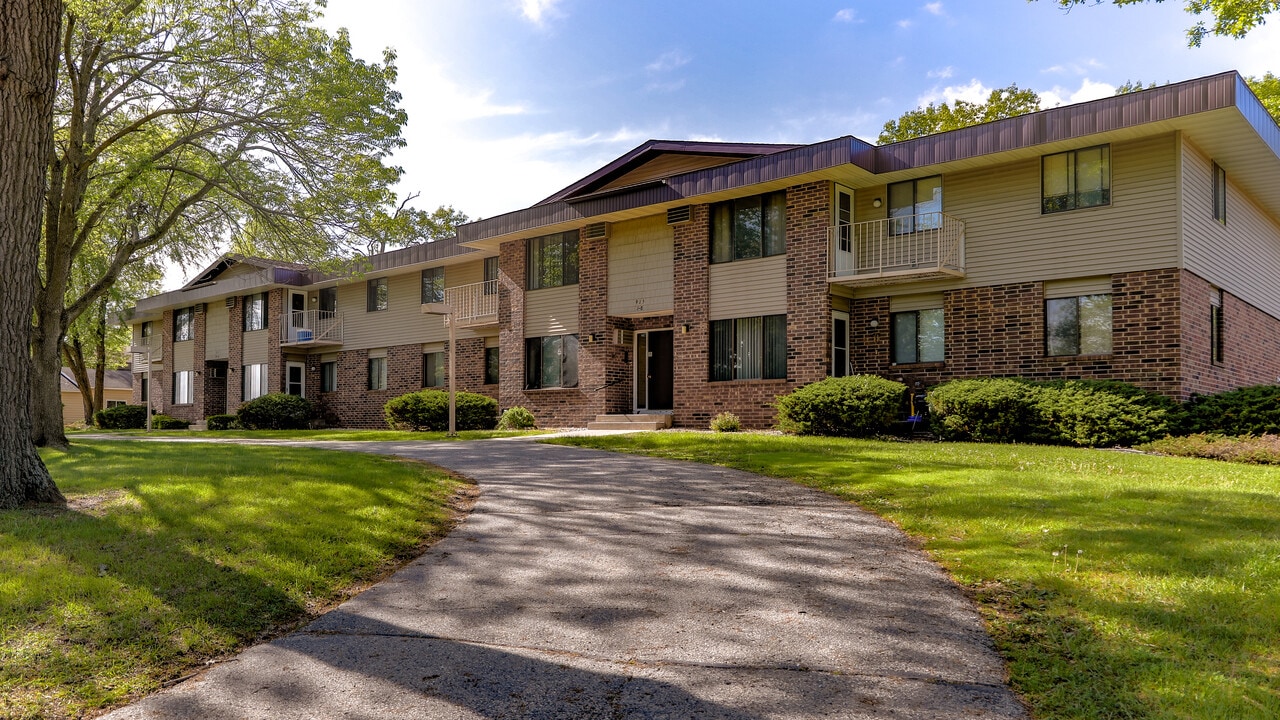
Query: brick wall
1251	342
275	359
235	354
511	257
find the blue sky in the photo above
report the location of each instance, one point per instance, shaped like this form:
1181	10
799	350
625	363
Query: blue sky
510	100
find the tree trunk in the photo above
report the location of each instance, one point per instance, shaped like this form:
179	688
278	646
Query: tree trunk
28	65
46	383
99	360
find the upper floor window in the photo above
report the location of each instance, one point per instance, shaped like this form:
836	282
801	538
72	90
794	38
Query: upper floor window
433	285
182	324
749	348
1078	325
553	260
1075	179
328	299
917	336
377	295
1219	194
749	227
915	205
146	333
255	312
490	275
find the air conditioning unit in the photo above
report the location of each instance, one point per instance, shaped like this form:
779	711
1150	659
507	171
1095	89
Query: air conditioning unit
679	215
623	337
595	231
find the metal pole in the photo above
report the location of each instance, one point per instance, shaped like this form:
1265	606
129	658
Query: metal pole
453	345
150	388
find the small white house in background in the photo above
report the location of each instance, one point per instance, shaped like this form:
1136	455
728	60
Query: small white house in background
117	390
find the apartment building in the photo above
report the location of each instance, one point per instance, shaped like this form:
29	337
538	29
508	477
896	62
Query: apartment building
1134	238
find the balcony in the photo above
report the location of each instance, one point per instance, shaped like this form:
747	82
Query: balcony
148	345
311	328
472	306
929	246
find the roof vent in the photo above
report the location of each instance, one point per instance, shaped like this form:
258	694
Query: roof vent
595	231
679	215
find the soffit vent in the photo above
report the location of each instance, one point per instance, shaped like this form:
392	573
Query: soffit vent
199	308
230	302
595	231
679	215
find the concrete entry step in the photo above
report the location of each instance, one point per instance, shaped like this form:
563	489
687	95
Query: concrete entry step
630	422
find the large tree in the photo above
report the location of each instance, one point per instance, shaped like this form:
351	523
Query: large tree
184	125
1228	18
939	117
28	42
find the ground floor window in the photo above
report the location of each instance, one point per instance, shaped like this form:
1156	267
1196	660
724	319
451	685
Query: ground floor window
1078	325
491	366
255	381
183	392
551	362
435	369
378	373
917	336
839	343
749	348
1216	354
143	393
115	403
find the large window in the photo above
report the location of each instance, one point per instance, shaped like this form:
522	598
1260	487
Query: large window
749	227
1219	194
433	285
1075	179
328	299
254	381
749	348
182	324
255	312
1078	325
328	376
551	362
376	295
377	373
183	392
435	369
917	336
490	274
915	205
839	343
553	260
491	366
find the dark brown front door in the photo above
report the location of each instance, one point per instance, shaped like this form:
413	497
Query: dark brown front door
660	370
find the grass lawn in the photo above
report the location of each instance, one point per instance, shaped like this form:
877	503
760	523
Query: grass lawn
1163	600
333	434
168	557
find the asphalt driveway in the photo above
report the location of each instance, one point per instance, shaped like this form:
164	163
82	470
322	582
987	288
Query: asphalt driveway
593	585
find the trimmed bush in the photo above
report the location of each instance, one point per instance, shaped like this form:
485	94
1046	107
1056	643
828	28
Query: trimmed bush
1094	413
122	417
854	406
517	418
429	410
1247	411
276	411
988	410
726	422
222	422
164	422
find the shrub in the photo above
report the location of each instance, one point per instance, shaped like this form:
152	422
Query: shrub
429	410
164	422
121	417
222	422
854	406
276	411
1095	413
1247	411
726	422
1263	450
988	410
517	418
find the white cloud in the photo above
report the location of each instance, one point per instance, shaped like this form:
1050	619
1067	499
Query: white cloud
845	15
933	8
536	10
973	91
941	74
1088	90
668	61
904	24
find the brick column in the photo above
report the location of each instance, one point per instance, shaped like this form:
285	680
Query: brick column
235	354
599	361
161	378
511	277
808	293
275	358
691	246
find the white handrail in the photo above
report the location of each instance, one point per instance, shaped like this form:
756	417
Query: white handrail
311	326
898	245
474	302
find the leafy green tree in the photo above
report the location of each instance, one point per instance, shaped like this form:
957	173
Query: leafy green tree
1267	88
1227	18
182	125
934	118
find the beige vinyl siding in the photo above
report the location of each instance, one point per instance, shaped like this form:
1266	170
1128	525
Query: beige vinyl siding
215	331
184	355
402	323
640	267
907	303
1078	286
1242	258
747	288
551	311
1008	240
492	341
464	274
377	353
255	347
138	362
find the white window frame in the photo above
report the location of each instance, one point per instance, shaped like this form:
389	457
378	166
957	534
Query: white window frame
183	387
253	383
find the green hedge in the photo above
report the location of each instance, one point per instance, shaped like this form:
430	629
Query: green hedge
222	422
276	411
121	417
987	410
854	406
164	422
1247	411
429	410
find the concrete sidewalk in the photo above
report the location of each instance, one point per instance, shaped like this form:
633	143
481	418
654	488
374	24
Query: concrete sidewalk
594	585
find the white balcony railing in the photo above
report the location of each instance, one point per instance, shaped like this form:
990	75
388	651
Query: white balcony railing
913	247
311	327
150	344
473	305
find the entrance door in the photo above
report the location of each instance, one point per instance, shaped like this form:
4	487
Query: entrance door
655	361
295	382
298	317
